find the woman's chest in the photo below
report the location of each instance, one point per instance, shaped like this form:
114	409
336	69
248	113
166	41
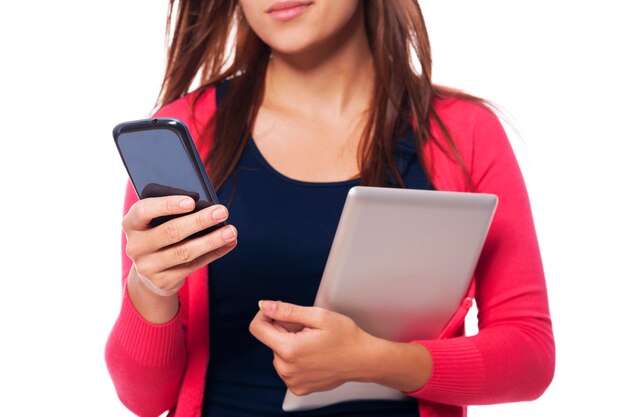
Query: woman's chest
308	148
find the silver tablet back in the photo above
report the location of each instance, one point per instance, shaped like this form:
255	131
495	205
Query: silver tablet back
400	265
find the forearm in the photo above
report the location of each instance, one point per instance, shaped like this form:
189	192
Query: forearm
503	364
146	361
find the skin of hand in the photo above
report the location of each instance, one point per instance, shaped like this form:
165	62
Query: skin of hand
162	256
317	350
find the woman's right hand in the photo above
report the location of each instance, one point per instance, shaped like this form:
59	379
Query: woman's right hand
161	256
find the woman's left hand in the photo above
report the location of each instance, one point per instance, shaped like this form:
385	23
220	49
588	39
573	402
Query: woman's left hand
314	349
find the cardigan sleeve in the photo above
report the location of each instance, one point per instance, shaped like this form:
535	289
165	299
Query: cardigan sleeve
512	356
147	362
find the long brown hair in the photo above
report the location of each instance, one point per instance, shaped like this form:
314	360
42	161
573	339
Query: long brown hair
201	45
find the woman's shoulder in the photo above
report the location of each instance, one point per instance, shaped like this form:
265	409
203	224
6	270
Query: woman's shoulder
461	112
471	121
199	103
195	109
476	131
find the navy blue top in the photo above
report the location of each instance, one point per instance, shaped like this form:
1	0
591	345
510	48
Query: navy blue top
286	228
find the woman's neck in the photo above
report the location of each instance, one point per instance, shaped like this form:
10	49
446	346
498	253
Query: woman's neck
336	78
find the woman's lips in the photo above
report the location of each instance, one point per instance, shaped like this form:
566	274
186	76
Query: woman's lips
285	11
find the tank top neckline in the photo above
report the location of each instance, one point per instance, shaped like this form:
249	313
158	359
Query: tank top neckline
259	156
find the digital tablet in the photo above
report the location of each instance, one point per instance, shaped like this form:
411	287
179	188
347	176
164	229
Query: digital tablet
400	265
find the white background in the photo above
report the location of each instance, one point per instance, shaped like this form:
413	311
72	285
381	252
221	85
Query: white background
71	70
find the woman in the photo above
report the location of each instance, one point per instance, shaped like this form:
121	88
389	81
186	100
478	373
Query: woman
318	96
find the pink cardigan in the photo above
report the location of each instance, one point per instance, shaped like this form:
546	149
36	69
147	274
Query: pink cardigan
156	368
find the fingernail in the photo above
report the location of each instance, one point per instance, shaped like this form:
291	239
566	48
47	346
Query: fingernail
186	203
229	233
219	213
267	306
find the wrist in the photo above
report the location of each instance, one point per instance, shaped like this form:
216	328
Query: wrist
406	367
154	308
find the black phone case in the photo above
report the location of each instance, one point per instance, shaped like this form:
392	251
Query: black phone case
159	190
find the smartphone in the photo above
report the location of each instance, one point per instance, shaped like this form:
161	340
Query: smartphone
161	159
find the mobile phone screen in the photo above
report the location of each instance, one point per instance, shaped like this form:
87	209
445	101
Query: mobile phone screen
160	165
160	162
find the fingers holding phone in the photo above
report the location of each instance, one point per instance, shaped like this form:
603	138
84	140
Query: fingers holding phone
164	255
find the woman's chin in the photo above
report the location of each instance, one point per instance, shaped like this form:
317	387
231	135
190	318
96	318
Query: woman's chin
291	45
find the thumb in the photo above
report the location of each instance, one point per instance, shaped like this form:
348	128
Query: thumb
291	313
